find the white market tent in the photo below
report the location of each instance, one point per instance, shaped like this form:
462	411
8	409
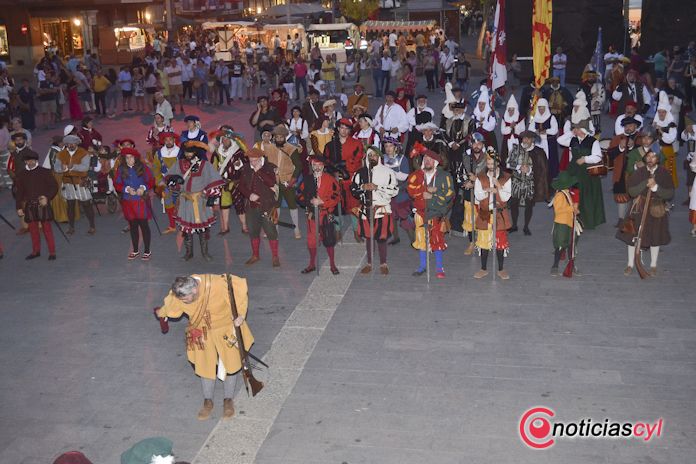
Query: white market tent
399	26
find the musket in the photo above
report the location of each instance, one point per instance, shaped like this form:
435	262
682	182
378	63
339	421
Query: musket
316	231
426	228
639	238
568	271
285	224
4	219
249	381
471	200
371	212
493	237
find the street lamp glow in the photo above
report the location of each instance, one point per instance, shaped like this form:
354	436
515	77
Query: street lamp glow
258	10
77	22
148	16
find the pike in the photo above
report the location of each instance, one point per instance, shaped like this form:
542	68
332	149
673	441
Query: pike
4	219
371	212
568	271
493	237
250	383
426	228
639	238
316	231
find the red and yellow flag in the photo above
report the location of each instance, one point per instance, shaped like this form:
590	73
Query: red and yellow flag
542	16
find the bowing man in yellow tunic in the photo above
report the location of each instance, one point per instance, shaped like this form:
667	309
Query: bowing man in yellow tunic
211	344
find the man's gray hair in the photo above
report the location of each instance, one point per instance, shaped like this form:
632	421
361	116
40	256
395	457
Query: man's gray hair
183	286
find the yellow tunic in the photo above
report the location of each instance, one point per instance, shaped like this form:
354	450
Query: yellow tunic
562	211
213	299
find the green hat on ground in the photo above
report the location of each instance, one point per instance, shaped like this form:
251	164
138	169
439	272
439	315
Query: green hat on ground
563	181
143	451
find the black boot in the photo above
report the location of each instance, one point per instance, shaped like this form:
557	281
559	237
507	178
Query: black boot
188	246
204	246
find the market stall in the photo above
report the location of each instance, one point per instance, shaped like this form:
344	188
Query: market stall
119	45
227	32
283	31
332	38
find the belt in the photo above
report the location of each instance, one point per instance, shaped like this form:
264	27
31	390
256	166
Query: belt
193	197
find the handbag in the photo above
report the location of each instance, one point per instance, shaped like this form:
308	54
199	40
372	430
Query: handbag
628	226
657	209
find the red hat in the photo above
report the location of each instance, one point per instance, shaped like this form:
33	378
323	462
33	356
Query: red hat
434	155
254	153
631	103
165	134
120	142
318	159
345	122
130	151
72	457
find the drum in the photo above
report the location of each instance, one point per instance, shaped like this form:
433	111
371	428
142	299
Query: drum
598	169
604	146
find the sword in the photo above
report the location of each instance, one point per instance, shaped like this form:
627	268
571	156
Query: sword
60	229
152	213
285	224
7	222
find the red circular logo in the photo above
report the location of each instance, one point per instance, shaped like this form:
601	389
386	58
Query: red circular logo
535	427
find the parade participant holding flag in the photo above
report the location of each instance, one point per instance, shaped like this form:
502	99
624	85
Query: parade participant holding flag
432	191
134	181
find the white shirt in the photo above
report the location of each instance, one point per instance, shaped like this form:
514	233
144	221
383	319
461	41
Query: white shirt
447	62
392	39
165	109
411	115
298	124
594	157
503	195
386	64
174	80
389	117
617	94
560	61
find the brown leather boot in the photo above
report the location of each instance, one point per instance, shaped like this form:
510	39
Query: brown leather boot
227	408
206	410
252	260
470	249
367	269
276	263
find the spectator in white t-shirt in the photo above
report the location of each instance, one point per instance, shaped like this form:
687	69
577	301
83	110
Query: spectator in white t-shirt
176	88
125	81
611	58
559	61
447	63
392	42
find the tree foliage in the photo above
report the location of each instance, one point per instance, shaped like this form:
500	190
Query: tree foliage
358	10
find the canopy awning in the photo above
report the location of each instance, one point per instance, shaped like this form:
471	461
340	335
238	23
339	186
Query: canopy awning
230	24
402	26
331	27
296	9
